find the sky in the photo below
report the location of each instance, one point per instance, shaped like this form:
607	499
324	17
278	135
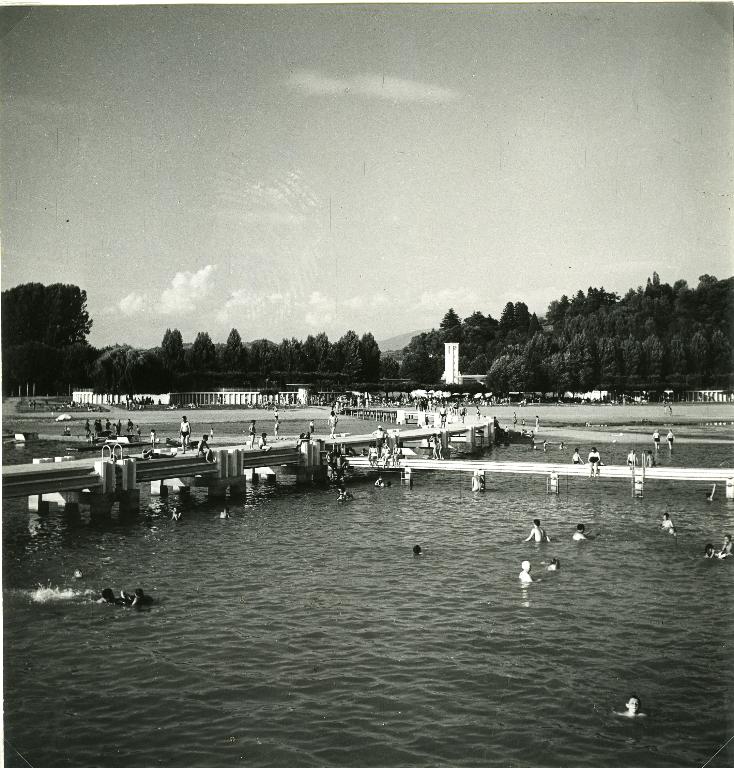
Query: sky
286	170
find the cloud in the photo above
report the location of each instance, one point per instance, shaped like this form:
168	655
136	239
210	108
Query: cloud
373	86
186	289
132	304
461	299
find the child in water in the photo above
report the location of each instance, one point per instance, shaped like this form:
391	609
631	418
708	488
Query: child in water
667	524
633	708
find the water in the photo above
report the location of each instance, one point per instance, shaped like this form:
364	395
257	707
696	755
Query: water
303	632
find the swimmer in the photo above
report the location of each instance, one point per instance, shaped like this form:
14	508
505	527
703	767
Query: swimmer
554	565
561	446
576	458
726	548
78	574
708	552
379	482
594	460
108	596
417	551
224	514
344	495
537	533
633	708
524	575
136	599
667	524
581	534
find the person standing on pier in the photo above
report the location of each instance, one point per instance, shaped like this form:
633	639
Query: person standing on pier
185	432
253	433
276	424
594	460
537	425
332	424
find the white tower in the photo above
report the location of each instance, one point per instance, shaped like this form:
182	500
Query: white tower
451	373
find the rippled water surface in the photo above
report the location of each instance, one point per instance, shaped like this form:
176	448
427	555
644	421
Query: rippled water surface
303	632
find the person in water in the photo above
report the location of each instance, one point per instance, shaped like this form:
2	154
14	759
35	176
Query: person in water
344	495
726	548
554	565
379	482
537	533
633	708
708	551
581	534
417	551
667	524
576	458
524	575
108	596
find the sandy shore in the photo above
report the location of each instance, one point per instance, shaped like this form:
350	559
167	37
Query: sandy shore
582	423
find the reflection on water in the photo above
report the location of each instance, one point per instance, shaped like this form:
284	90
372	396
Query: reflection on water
304	632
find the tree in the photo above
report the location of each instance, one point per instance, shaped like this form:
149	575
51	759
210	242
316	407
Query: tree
349	352
55	315
389	368
421	361
201	355
369	354
232	355
172	349
507	319
450	327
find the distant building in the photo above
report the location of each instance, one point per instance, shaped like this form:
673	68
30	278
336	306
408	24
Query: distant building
451	374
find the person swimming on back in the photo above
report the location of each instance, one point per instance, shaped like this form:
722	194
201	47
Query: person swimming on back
708	552
537	533
633	708
667	524
136	599
726	548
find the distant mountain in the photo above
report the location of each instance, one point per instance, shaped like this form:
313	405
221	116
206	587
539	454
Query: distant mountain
395	343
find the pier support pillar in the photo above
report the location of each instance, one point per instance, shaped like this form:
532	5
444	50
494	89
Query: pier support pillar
730	488
406	477
445	444
158	488
129	501
217	489
100	506
37	504
477	481
552	483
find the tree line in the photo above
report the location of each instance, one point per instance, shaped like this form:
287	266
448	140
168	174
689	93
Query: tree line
657	336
